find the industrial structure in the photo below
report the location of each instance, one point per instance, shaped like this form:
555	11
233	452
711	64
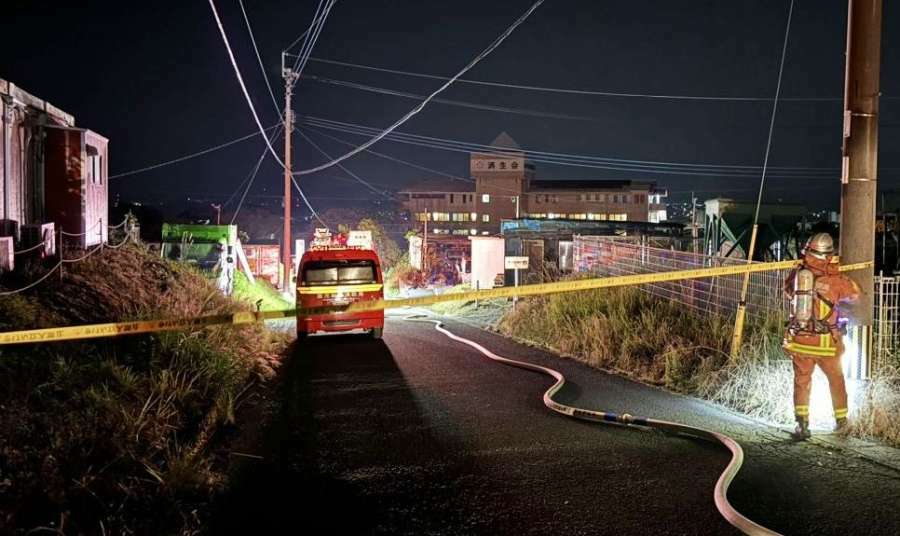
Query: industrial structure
504	186
54	175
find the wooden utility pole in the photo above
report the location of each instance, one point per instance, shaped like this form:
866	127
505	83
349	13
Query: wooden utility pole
290	77
859	169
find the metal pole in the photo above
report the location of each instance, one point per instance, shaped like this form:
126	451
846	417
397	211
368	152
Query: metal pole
860	153
289	78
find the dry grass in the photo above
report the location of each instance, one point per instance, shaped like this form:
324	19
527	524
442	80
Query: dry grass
660	342
878	412
117	432
627	331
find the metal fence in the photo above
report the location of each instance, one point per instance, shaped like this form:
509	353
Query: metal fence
612	256
886	331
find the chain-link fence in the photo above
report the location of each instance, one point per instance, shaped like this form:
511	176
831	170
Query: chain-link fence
886	332
612	256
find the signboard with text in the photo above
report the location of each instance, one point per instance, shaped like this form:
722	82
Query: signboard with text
516	263
497	164
361	239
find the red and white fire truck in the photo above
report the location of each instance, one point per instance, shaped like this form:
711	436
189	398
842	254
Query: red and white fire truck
331	274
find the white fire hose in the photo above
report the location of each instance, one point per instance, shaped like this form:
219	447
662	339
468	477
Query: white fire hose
720	493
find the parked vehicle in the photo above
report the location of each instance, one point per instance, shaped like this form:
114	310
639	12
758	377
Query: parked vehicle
337	275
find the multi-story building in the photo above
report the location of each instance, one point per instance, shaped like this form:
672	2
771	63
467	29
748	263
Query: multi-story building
503	186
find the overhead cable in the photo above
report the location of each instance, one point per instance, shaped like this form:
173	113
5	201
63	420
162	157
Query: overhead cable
262	68
600	93
249	181
674	168
191	155
418	108
341	166
392	158
240	79
463	104
301	60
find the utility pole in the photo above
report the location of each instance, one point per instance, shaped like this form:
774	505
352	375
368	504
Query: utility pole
860	161
695	236
290	77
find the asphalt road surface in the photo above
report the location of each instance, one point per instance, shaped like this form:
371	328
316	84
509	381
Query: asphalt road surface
418	434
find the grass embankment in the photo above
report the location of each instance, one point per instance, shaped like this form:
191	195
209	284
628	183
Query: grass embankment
259	292
115	436
657	341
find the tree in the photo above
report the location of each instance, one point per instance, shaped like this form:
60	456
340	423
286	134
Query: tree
386	248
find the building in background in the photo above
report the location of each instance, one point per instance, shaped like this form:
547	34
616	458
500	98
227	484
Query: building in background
504	186
50	170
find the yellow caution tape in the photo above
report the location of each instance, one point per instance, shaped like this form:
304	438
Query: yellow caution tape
113	329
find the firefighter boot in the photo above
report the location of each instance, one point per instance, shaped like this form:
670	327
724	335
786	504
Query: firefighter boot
801	432
841	426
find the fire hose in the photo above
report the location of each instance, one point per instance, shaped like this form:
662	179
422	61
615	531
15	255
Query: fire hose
720	493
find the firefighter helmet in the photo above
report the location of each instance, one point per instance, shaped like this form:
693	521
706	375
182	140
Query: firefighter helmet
820	246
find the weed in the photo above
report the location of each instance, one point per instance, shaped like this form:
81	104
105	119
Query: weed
106	432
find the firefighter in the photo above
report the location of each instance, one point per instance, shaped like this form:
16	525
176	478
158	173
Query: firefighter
814	336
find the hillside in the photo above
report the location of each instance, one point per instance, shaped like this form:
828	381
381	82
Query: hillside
115	435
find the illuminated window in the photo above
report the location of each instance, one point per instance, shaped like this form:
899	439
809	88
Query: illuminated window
474	216
553	215
485	198
485	218
578	216
423	216
461	216
440	216
473	231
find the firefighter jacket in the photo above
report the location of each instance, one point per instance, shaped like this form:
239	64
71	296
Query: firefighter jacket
831	289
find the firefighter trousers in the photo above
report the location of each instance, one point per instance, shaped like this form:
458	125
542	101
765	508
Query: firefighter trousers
803	371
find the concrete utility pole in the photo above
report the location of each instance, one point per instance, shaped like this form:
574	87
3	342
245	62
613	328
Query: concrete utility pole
859	170
290	77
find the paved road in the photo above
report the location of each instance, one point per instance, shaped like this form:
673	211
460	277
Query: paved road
418	434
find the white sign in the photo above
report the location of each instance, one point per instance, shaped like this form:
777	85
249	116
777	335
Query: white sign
516	263
415	252
362	239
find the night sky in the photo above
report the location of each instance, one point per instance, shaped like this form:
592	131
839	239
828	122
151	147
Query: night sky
154	77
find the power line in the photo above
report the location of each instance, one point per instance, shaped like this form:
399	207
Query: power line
600	93
675	168
190	156
762	179
463	104
434	94
262	68
341	166
310	42
301	36
237	73
249	181
393	158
